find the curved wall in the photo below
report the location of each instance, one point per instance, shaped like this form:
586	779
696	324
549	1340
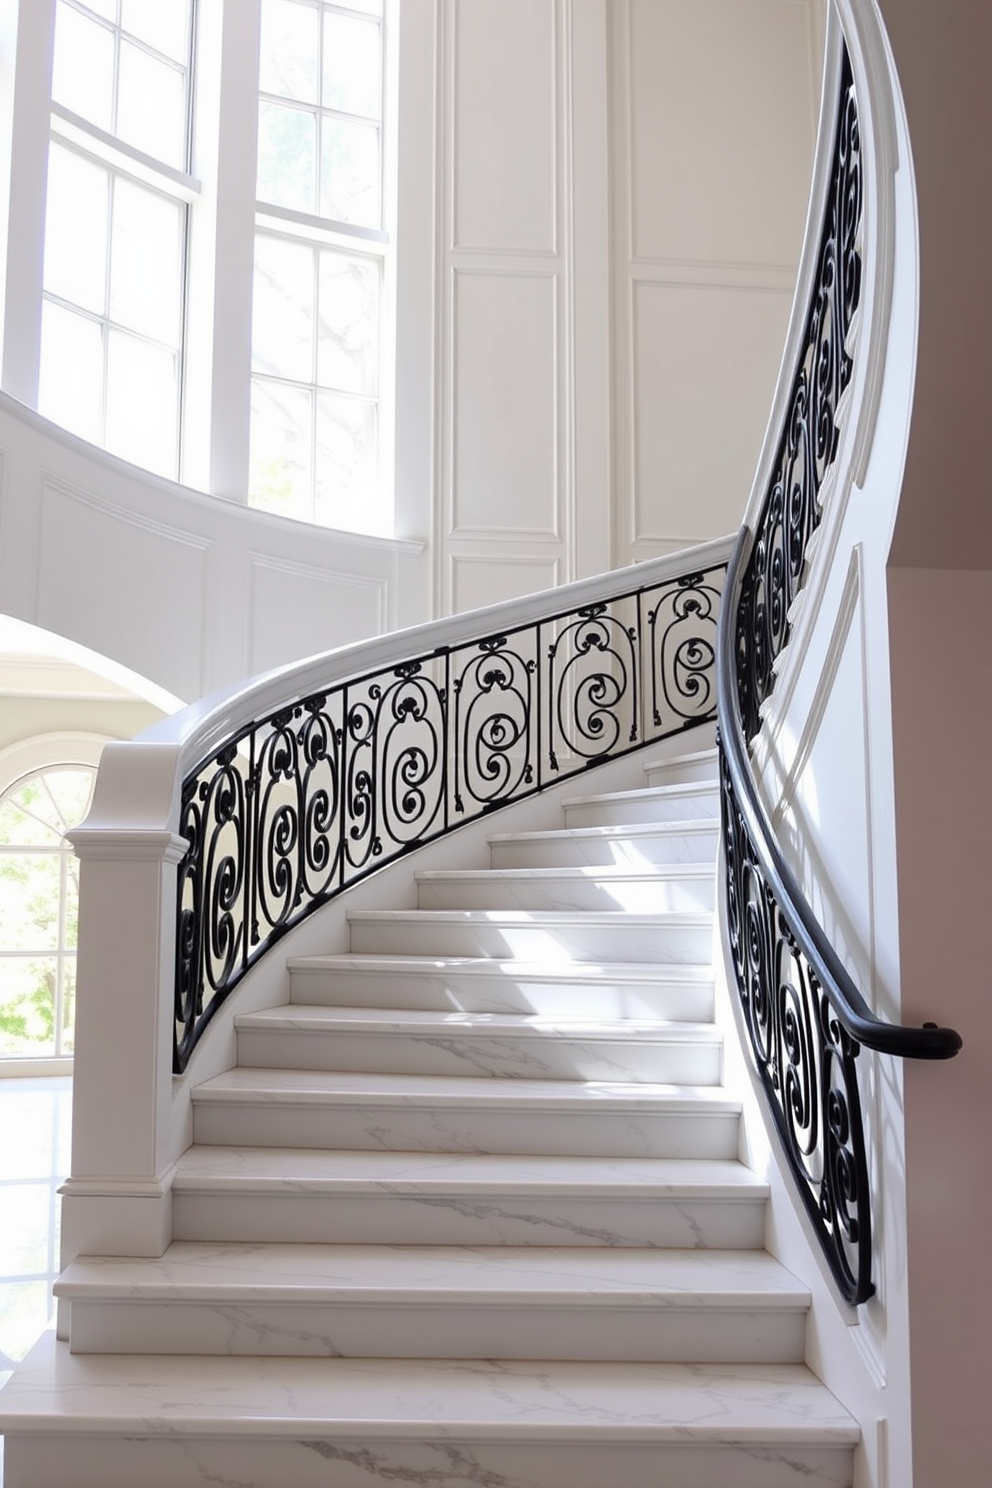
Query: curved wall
188	590
574	298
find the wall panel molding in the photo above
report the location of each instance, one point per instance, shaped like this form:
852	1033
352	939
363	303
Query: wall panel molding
485	578
505	430
100	563
504	146
337	607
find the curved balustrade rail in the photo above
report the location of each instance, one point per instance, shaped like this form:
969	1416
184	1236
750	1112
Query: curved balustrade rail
805	1019
311	798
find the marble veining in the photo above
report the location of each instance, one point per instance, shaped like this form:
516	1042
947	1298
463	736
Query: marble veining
492	1133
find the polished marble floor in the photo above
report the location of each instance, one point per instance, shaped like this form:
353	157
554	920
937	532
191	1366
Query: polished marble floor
35	1124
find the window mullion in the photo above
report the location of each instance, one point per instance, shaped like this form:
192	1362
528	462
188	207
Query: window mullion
60	953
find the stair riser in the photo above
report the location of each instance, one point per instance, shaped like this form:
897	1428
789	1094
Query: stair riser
663	1331
404	1129
456	1460
658	944
470	1218
606	997
701	803
688	895
664	847
687	769
556	1057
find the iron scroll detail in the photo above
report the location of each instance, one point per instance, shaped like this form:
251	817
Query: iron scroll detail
303	803
805	1023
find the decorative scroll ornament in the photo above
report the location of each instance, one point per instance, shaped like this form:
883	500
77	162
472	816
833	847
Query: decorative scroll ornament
792	508
315	797
804	1057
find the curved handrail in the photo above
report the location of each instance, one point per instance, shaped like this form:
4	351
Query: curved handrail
928	1042
310	780
804	1019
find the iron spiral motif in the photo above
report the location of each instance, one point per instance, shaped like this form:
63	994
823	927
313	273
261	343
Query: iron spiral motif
804	1057
793	506
309	800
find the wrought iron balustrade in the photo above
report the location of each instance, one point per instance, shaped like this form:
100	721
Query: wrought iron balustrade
804	1018
310	799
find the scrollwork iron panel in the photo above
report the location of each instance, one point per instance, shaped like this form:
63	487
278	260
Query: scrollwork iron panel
331	787
804	1058
792	508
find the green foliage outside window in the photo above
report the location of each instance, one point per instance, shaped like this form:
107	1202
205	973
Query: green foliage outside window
39	896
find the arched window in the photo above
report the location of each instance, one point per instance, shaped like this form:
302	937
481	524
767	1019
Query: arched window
38	906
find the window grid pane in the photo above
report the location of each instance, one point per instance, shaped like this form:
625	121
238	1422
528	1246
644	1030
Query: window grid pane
317	308
128	73
114	273
39	909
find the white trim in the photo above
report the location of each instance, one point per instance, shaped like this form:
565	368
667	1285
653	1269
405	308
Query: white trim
43	751
124	159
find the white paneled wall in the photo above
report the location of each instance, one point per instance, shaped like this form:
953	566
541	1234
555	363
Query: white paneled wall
714	106
623	193
503	513
601	208
190	591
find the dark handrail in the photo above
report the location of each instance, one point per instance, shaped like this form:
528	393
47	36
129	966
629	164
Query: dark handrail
928	1042
804	1019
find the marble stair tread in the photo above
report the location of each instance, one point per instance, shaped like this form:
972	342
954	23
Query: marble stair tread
648	888
578	873
255	1398
583	973
407	1112
693	799
267	1169
317	1087
525	1046
452	1025
690	790
492	1275
702	764
575	935
539	917
659	844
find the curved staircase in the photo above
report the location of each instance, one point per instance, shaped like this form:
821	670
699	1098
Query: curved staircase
469	1211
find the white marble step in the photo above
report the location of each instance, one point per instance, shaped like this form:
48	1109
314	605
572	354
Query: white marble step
411	1041
559	936
697	800
668	889
633	846
402	1198
421	1113
703	764
101	1421
491	985
440	1302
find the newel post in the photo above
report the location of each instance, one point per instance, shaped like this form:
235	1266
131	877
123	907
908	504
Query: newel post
117	1200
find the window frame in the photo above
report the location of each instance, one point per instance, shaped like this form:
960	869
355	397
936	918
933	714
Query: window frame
361	241
124	161
65	750
220	192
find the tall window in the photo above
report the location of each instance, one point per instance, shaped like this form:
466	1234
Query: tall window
116	225
38	905
319	263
